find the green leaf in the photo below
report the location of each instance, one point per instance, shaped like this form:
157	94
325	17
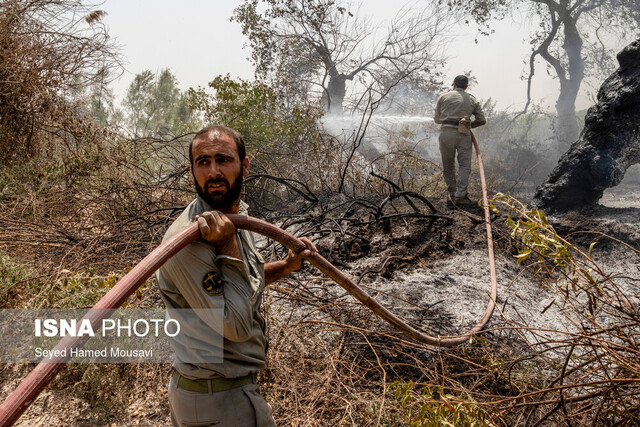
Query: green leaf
587	274
522	257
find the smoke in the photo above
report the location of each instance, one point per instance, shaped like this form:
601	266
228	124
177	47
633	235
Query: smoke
382	130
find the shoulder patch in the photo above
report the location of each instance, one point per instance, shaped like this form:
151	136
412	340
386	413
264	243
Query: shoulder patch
212	283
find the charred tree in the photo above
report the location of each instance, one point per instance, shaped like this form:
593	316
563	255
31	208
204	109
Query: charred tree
608	145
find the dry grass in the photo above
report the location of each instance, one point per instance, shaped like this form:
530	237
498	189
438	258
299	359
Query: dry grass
330	361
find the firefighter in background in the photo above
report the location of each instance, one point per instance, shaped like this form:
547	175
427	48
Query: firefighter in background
453	112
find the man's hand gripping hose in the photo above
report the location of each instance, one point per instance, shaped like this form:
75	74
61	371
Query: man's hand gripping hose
27	391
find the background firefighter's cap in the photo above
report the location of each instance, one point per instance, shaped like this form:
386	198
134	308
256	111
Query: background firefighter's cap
461	81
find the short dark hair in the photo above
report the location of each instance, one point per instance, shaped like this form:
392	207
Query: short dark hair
242	152
461	81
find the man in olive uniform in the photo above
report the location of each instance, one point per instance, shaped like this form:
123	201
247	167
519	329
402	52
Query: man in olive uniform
219	280
451	108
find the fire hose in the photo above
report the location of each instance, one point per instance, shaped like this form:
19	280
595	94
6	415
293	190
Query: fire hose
27	391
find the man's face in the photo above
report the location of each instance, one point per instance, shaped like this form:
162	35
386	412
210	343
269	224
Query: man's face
217	171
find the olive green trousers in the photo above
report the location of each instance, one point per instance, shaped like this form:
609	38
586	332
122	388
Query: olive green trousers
451	143
242	406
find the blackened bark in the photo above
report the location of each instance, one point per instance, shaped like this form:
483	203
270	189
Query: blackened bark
607	146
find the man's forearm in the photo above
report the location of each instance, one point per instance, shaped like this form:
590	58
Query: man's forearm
477	122
478	117
276	270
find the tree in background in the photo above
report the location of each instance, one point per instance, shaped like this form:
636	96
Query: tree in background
138	103
411	94
97	102
48	50
101	104
576	39
325	43
155	106
271	129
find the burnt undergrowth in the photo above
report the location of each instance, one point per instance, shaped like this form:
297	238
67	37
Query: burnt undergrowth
331	361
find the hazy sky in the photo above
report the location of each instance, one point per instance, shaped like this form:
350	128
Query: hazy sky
196	40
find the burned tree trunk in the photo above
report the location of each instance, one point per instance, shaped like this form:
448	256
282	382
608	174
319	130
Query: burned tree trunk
608	144
335	93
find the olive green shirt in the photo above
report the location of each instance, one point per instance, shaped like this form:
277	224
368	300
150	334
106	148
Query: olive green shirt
456	104
224	334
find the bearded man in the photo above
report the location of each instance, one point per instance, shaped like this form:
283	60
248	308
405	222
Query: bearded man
218	282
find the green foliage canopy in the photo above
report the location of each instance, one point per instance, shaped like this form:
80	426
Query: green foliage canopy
271	128
155	106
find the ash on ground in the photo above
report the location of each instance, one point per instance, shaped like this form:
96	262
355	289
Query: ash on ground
435	272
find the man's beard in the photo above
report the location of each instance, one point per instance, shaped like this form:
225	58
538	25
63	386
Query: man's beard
221	200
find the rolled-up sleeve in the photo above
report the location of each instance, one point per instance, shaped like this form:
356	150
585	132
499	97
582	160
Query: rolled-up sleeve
192	269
